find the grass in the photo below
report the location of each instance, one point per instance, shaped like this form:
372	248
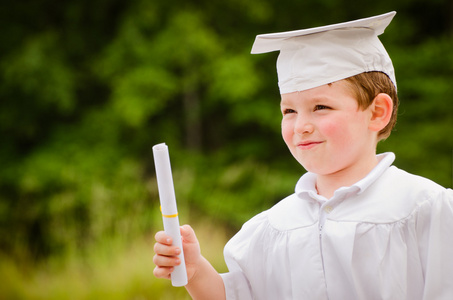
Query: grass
108	272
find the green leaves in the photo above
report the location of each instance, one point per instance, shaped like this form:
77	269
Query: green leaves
86	89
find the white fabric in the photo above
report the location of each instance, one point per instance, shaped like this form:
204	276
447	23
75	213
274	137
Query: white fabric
313	57
389	236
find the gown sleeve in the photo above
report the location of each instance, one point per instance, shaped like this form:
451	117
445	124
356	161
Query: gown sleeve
435	231
236	252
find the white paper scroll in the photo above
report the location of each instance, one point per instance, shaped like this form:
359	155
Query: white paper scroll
169	208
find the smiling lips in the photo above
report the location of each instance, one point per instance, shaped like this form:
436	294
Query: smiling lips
307	145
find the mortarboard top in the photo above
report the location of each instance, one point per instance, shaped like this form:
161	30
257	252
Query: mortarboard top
313	57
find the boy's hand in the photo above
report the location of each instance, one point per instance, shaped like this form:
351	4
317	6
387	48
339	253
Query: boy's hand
166	258
203	280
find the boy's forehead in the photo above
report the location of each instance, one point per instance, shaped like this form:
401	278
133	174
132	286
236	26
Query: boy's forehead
312	95
317	56
331	92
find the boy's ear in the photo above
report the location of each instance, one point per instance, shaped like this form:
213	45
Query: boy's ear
381	112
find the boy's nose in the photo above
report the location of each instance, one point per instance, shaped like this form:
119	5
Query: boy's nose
303	126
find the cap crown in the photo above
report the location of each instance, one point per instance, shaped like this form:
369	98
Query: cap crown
313	57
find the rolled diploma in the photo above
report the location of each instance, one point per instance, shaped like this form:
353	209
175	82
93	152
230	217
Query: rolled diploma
169	208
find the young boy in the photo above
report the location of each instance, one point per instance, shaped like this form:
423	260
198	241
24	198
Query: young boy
356	226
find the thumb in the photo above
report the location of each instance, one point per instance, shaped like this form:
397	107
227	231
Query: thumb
188	234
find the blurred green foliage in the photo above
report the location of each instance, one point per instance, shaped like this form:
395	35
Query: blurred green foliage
88	87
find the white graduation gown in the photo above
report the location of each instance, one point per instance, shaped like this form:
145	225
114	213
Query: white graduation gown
389	236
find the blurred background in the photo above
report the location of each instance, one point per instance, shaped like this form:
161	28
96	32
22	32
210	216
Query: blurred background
88	87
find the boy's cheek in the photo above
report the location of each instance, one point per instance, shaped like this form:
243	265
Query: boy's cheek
337	128
332	129
287	134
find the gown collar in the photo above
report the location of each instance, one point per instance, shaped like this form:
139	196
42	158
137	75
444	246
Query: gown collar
307	183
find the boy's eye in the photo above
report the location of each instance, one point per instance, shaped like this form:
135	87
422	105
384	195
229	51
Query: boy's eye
288	111
320	106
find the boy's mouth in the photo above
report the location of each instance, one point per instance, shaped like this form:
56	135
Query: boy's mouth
308	144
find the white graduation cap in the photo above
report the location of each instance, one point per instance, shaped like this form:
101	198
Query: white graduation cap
313	57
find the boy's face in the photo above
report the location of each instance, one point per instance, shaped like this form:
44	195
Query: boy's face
326	131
